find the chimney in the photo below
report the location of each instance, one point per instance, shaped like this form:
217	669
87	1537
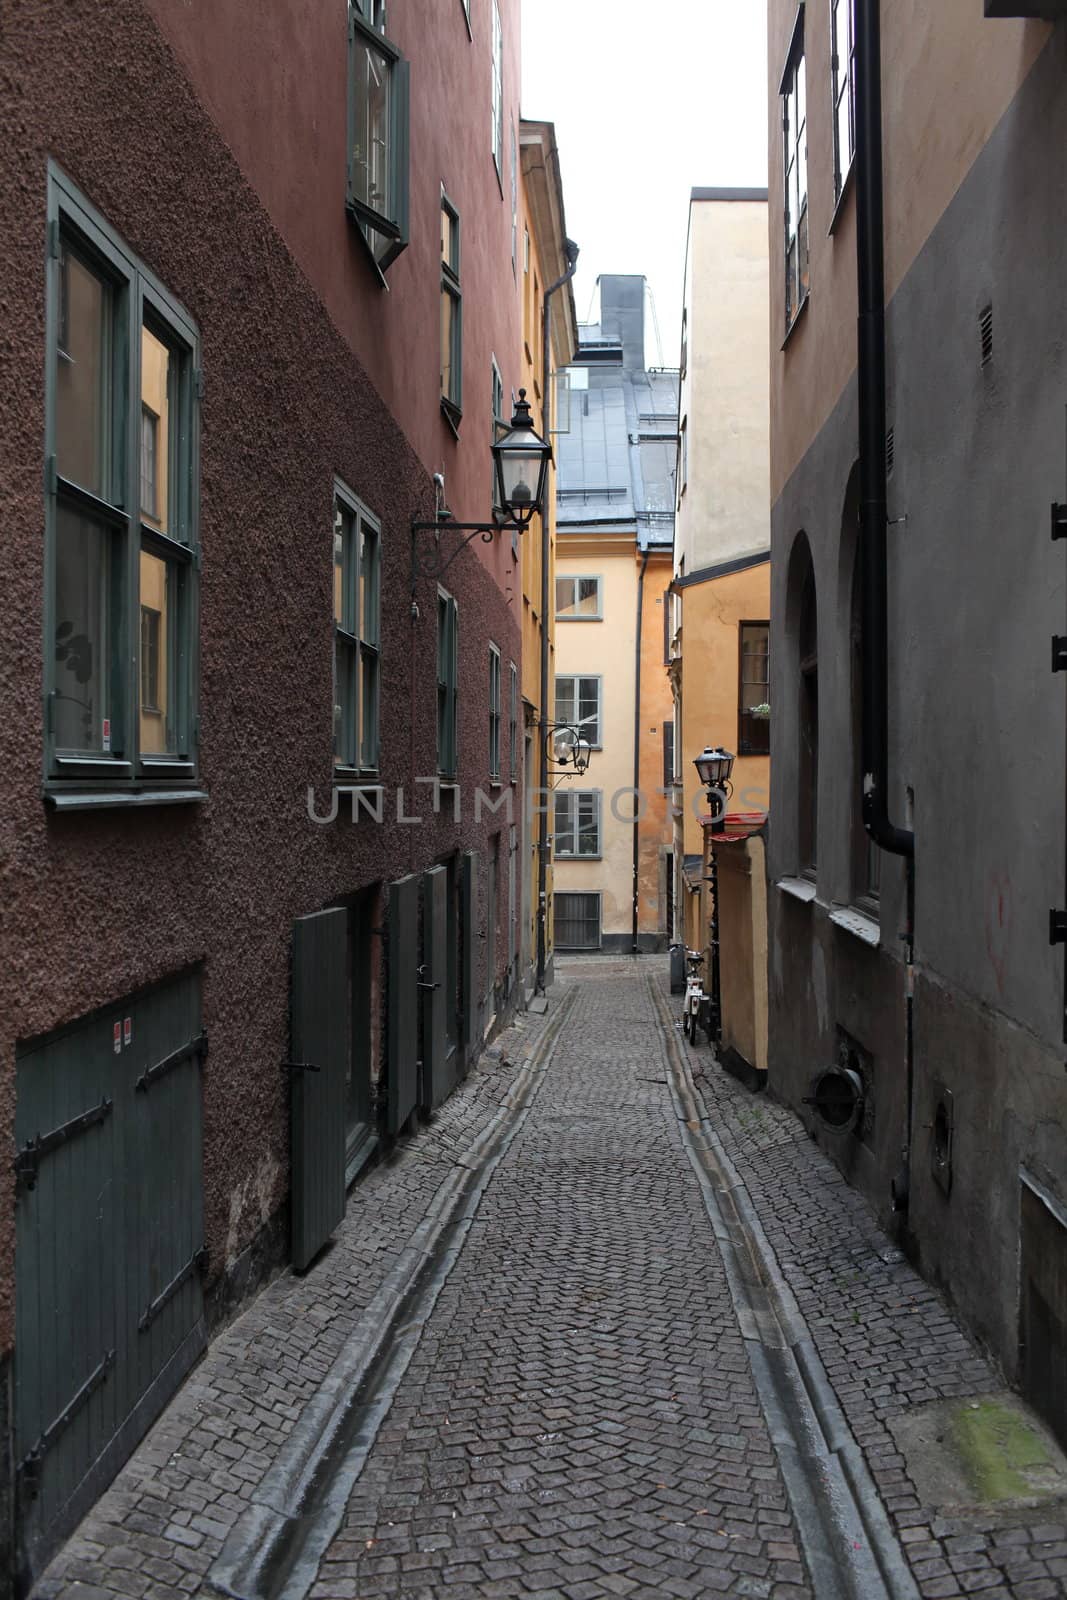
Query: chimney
622	315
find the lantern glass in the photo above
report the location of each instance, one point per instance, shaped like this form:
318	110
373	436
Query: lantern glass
521	466
714	767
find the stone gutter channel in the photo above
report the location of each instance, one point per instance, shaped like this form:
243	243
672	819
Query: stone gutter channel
849	1543
274	1549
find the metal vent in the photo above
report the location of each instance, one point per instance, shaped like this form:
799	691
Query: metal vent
890	450
985	324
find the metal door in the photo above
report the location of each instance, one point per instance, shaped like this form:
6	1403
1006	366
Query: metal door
438	1076
109	1246
403	1073
319	1027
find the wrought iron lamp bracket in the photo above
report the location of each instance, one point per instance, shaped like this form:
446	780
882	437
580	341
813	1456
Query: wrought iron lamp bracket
430	564
548	733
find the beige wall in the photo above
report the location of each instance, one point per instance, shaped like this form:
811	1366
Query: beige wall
724	503
935	126
604	648
743	948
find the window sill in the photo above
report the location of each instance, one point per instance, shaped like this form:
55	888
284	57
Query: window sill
857	923
801	309
565	857
452	414
560	618
842	199
797	888
116	799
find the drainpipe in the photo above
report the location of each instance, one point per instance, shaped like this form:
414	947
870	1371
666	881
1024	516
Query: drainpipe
637	749
571	252
870	260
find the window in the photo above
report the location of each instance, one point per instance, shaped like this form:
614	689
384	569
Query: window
494	711
466	4
356	629
513	724
578	706
447	683
795	131
498	424
753	718
683	455
843	67
578	600
514	199
577	830
451	315
668	753
378	97
498	90
122	510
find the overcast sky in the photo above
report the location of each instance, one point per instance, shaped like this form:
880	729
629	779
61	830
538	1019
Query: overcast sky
649	101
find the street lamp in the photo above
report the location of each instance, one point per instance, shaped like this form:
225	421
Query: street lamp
520	471
569	749
714	766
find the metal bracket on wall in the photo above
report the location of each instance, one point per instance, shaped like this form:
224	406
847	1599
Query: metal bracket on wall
1057	927
432	566
1059	521
1059	652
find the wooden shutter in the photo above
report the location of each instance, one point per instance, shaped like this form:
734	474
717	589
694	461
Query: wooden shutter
438	1076
469	896
402	1077
320	1035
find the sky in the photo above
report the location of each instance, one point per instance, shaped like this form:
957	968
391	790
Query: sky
649	101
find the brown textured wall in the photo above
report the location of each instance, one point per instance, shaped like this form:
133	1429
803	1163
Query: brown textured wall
94	906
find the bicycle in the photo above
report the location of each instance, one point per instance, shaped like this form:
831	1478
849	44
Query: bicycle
695	998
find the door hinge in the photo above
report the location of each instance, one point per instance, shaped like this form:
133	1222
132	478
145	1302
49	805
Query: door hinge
1059	652
27	1162
196	1263
29	1468
1057	927
300	1066
196	1047
1059	521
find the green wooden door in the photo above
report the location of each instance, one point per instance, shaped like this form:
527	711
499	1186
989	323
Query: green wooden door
438	1061
109	1245
318	1068
403	1070
469	979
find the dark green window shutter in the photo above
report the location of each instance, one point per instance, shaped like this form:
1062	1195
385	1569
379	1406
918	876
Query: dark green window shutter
438	1075
403	1001
469	893
320	1035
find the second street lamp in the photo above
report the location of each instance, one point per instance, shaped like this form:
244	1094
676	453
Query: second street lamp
520	460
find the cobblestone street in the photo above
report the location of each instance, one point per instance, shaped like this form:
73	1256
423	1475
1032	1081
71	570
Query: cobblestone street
656	1347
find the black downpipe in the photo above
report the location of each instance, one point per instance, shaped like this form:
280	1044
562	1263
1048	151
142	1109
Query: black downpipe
545	720
874	513
635	946
871	377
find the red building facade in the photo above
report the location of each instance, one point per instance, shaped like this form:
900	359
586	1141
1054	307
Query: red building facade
299	224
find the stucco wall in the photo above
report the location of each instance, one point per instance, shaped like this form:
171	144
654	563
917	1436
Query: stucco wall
724	505
605	648
948	77
975	591
657	707
711	614
96	906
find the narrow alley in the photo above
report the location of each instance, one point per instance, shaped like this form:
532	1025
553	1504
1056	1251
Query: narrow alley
608	1325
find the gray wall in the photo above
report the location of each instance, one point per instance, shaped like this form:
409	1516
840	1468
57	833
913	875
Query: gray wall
976	720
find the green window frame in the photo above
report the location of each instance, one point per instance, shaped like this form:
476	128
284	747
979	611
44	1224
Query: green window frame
579	704
451	315
357	609
379	98
121	573
447	684
793	94
498	95
494	712
577	829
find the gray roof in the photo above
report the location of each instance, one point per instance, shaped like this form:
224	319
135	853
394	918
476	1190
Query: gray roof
616	466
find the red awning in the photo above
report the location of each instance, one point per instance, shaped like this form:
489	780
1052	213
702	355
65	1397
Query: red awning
739	825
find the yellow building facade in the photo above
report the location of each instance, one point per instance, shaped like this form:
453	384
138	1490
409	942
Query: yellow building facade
541	261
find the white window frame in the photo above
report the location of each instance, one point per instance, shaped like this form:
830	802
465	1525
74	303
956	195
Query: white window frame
567	835
843	81
494	713
357	636
568	701
498	93
793	94
575	579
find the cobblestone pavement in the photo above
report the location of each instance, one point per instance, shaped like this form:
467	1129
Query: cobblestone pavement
579	1417
886	1339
